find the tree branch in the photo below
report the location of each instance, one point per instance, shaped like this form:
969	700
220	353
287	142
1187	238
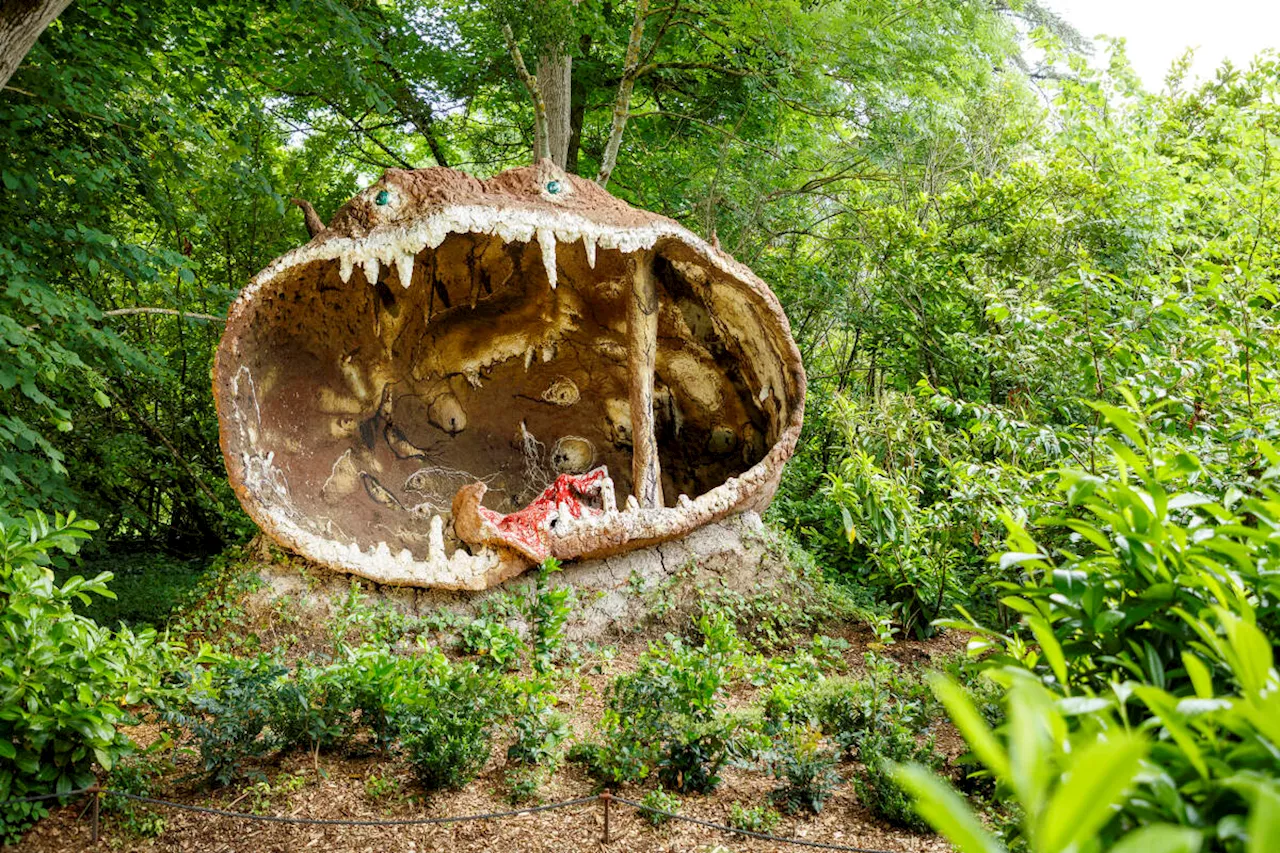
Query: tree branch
622	106
541	139
170	312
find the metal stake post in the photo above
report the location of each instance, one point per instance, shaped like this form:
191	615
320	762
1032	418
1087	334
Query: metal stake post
96	792
606	798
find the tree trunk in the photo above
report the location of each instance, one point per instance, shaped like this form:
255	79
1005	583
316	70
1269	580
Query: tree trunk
577	110
555	73
21	23
642	352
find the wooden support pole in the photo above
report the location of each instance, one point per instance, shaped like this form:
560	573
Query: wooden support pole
607	798
96	805
642	351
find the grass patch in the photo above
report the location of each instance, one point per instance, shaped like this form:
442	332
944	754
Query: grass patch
148	585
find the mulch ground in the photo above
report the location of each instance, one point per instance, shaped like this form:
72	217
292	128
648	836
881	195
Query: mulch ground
336	789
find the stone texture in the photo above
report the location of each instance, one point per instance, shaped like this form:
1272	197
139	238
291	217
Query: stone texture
613	595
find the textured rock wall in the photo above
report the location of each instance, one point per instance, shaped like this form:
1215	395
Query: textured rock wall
614	594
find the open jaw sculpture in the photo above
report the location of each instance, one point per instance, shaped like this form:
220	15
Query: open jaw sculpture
459	378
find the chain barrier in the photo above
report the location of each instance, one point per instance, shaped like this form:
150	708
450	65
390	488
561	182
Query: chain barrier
605	798
799	842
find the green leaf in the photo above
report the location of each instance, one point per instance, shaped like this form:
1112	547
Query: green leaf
1160	838
1098	777
971	725
1049	645
945	810
1264	820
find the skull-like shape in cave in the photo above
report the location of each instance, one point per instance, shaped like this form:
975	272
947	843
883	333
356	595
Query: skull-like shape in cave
458	378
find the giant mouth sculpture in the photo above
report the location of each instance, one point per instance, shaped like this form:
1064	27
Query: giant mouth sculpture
458	378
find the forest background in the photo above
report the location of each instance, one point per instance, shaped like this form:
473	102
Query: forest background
1025	287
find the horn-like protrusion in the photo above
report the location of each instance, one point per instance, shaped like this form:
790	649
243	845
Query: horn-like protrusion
314	224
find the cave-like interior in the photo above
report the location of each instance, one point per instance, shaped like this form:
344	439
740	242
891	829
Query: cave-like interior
377	402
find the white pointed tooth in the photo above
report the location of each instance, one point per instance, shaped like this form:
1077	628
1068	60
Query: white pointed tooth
548	352
608	500
344	266
683	501
589	243
528	357
632	503
371	269
404	266
547	241
435	538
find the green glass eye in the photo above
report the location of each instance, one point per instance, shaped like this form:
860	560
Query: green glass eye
553	187
383	198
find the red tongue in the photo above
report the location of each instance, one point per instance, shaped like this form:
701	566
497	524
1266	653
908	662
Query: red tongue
528	530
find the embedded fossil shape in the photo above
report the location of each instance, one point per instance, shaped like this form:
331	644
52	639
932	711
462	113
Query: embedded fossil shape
457	378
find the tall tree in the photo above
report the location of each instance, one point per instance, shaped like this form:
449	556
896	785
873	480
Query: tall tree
21	23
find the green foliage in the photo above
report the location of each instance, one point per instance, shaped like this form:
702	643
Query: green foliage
758	818
138	777
381	787
876	786
445	716
66	684
548	610
497	645
667	715
807	770
228	712
148	586
659	805
264	795
539	732
1163	724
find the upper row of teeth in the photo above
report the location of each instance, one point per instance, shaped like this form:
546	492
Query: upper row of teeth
400	250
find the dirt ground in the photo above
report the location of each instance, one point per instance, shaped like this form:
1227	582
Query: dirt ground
335	787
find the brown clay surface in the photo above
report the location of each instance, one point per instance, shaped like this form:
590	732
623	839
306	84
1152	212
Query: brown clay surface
353	408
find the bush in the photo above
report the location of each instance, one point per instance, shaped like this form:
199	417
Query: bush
877	787
65	683
668	714
693	753
655	803
312	709
228	713
133	776
445	717
1142	693
539	733
807	770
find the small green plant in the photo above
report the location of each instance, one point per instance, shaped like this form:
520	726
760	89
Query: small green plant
262	792
668	714
656	803
445	716
227	713
382	787
759	818
496	645
548	611
807	770
312	709
523	783
539	733
134	776
694	752
877	787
